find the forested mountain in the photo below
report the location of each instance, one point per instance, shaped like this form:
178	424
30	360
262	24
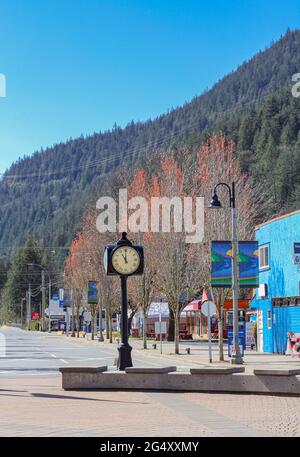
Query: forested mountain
46	194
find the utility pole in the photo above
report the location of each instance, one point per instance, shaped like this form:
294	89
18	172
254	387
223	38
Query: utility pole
73	320
22	310
43	300
50	294
26	304
28	307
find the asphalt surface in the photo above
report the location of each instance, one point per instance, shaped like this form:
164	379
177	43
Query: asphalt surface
33	353
42	354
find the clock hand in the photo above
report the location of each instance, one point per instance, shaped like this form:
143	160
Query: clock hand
125	258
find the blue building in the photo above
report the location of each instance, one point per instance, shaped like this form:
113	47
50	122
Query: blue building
277	300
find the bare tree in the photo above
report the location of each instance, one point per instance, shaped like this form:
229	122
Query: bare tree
217	162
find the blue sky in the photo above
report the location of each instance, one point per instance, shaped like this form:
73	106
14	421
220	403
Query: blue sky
75	66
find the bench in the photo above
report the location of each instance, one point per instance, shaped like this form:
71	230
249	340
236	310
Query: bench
160	370
217	370
83	369
277	372
205	379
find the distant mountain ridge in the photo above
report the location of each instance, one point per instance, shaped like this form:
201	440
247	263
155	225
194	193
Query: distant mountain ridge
45	194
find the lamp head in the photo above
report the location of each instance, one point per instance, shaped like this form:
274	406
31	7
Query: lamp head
215	202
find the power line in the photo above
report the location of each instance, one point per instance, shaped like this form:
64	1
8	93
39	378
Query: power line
133	149
130	151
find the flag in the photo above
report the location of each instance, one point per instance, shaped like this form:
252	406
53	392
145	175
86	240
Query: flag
205	296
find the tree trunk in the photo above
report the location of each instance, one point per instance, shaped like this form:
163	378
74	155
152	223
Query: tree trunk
171	326
107	325
145	331
176	333
100	322
92	327
77	321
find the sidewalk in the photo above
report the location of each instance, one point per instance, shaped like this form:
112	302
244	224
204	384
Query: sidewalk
198	354
38	407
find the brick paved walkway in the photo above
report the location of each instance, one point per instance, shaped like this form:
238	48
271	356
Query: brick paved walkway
37	406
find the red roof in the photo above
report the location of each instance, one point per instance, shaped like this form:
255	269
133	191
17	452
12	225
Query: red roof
194	305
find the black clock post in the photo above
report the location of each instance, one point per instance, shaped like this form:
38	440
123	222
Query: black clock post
124	349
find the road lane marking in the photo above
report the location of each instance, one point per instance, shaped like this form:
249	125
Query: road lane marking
64	361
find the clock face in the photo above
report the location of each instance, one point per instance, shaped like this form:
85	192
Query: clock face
125	260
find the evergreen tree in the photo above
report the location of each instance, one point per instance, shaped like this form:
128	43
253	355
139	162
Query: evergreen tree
21	275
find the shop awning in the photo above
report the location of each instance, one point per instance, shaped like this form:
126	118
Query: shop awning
194	305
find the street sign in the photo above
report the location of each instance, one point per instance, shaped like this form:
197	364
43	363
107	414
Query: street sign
92	293
54	308
221	264
163	326
296	253
61	297
208	308
67	297
87	317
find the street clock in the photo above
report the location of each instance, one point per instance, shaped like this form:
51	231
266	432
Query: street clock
124	258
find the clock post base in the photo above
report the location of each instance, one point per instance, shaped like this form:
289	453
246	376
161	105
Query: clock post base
124	360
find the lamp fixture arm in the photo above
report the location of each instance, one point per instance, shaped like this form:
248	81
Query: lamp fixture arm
231	191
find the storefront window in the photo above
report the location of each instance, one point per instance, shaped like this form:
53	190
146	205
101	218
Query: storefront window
269	315
264	257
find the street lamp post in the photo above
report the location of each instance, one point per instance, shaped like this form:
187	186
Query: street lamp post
236	357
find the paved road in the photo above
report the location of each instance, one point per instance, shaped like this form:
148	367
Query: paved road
32	353
32	402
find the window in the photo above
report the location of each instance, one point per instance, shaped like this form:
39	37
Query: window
264	257
269	319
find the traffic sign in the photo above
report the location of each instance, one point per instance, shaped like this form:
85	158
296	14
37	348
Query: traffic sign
208	308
